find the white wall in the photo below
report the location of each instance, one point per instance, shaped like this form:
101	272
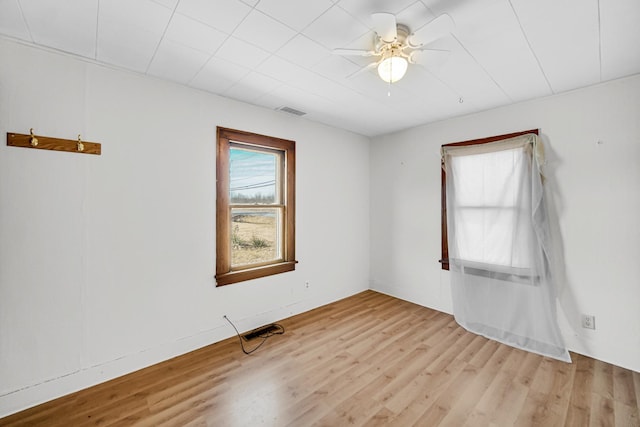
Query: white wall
596	193
107	262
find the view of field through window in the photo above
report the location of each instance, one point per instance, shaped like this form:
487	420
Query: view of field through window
256	211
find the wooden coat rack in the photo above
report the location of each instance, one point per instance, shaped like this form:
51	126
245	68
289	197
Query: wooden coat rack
48	143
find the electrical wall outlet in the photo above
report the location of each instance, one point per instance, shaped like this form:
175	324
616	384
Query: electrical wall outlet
306	284
588	321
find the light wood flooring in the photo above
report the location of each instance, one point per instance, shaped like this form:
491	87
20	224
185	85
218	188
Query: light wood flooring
366	360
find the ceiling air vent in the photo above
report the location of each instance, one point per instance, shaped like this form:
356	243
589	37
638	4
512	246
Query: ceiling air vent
292	111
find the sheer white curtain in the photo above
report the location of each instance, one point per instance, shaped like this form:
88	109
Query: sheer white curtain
499	244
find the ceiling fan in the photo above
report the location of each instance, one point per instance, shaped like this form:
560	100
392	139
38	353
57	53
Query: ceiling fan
395	46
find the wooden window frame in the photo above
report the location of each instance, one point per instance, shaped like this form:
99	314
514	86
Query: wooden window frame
444	260
225	274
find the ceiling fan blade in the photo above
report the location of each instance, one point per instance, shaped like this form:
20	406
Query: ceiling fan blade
354	52
439	27
385	26
431	59
363	70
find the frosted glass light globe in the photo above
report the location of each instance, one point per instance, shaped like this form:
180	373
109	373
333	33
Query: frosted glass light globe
392	69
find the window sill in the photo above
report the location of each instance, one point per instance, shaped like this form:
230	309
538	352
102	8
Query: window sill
254	273
496	272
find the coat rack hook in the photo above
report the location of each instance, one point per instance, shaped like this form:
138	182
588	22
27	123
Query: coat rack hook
34	140
80	144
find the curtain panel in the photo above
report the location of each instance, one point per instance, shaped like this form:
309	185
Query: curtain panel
499	244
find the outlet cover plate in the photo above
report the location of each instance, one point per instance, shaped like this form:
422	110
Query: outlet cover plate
588	321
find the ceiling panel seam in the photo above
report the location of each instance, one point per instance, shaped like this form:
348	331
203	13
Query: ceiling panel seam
524	34
24	19
95	49
166	27
483	68
599	44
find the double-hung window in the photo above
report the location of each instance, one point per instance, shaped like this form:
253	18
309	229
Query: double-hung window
499	242
255	206
488	199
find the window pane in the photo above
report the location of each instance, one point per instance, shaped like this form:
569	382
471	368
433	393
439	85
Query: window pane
489	179
255	235
488	203
253	176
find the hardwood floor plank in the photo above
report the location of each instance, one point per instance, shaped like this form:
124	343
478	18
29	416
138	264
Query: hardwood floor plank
636	383
578	413
469	352
484	354
435	413
527	371
411	382
623	387
381	418
469	397
504	397
601	413
549	395
625	415
431	386
602	379
369	359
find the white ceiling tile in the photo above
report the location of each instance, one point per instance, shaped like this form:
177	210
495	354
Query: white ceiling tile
11	21
274	101
129	32
426	92
395	95
119	49
271	101
176	62
194	34
468	79
143	14
218	75
568	35
251	87
225	15
335	28
336	68
490	32
415	16
279	69
294	13
372	117
72	29
302	100
263	31
366	41
620	36
169	4
513	67
303	51
368	83
320	86
241	53
362	9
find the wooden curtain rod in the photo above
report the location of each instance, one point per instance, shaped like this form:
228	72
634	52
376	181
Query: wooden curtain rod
56	144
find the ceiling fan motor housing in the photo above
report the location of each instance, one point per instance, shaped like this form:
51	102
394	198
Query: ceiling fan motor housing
396	47
399	42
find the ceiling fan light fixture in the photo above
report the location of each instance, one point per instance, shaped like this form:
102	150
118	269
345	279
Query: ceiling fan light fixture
392	68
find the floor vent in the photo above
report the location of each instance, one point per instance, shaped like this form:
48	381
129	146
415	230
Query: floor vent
259	332
292	111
